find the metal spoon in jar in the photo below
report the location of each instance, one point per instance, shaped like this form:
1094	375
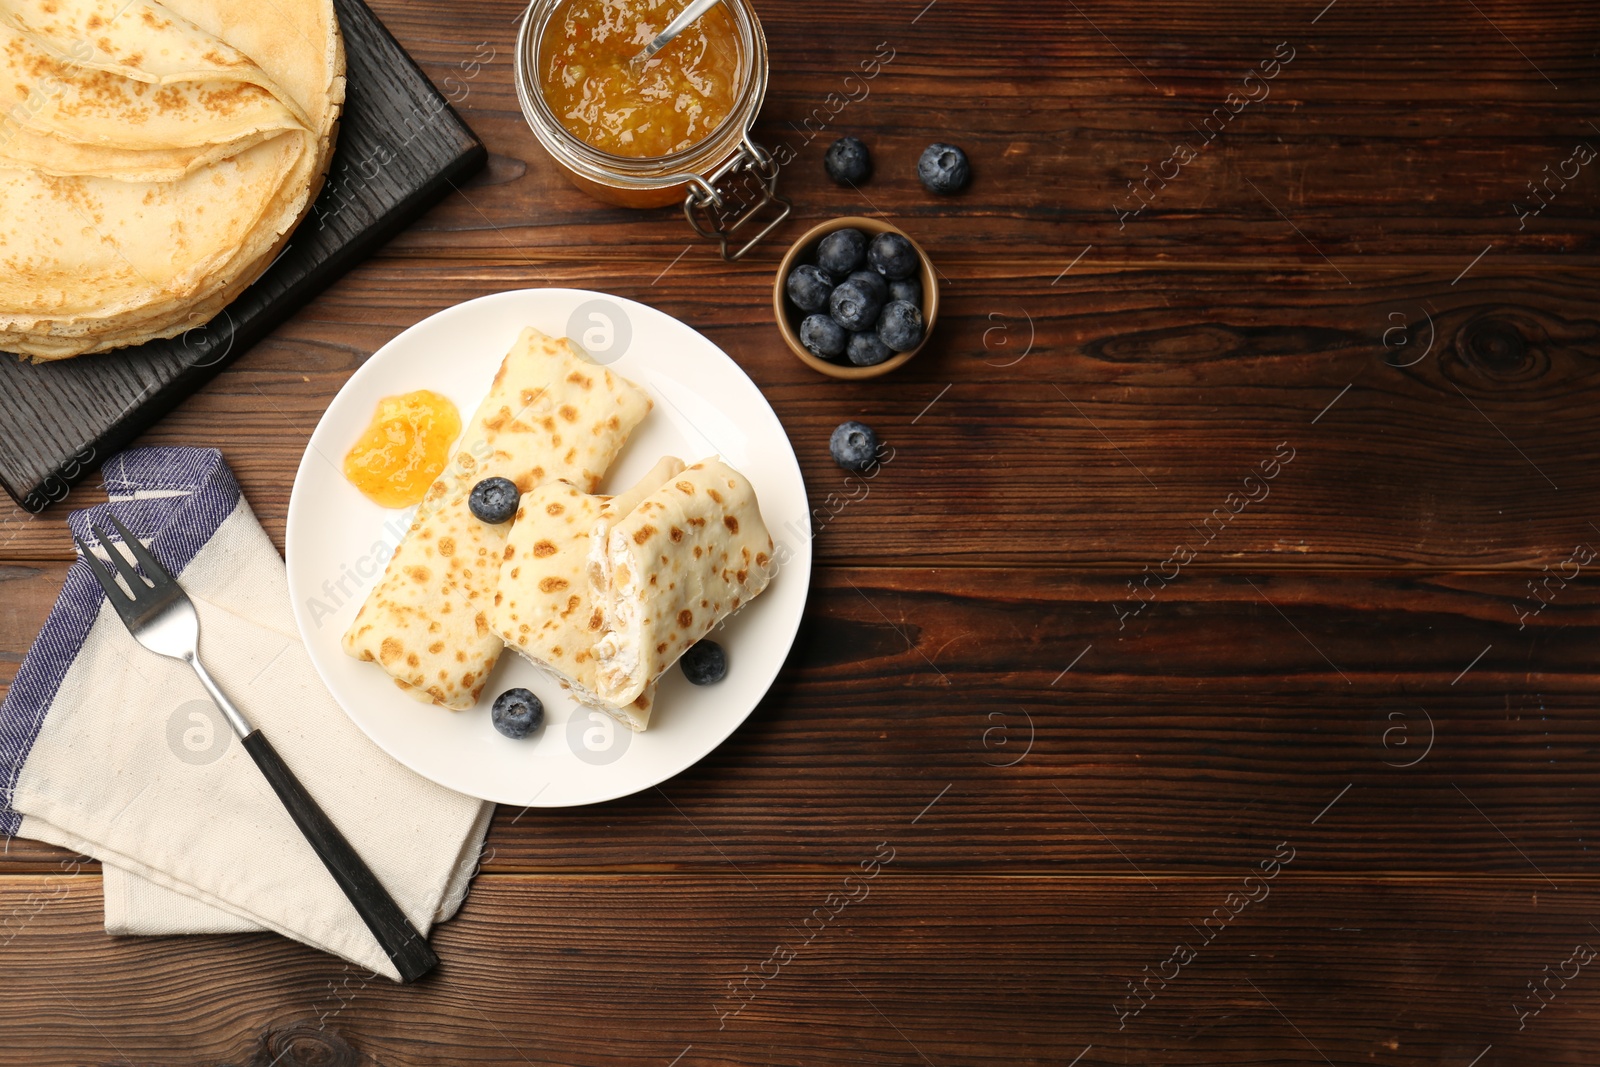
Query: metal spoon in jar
685	19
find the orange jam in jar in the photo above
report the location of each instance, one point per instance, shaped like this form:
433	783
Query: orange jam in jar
404	448
674	100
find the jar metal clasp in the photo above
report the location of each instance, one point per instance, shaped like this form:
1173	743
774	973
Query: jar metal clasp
734	196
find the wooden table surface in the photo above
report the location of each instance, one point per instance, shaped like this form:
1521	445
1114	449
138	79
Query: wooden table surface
1212	670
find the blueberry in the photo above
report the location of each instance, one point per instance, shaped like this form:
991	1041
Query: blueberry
847	161
842	251
809	287
893	256
866	349
900	326
822	336
907	289
704	662
854	305
854	446
494	499
517	713
874	284
943	168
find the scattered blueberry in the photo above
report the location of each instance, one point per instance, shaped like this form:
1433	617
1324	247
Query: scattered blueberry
822	336
854	446
847	161
517	713
908	289
842	251
873	282
900	325
494	500
854	305
892	256
704	662
866	349
943	168
809	287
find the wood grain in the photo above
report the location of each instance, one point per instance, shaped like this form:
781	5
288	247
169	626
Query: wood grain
1350	666
1368	141
1443	722
1461	441
913	970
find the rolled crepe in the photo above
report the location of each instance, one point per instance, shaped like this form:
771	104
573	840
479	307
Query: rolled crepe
551	413
543	607
667	572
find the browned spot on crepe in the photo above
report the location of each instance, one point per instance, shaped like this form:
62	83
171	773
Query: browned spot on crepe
543	548
642	534
685	619
552	584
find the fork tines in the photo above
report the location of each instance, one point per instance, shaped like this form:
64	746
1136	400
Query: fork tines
157	575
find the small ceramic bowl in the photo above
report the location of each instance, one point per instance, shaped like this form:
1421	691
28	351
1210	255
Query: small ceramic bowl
789	316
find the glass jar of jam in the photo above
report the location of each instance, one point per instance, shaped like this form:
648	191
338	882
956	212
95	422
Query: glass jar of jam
674	128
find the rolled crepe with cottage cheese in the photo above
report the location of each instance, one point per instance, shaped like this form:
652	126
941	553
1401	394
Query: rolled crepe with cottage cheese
663	575
551	414
543	607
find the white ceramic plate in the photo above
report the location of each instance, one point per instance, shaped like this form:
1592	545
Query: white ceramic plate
337	540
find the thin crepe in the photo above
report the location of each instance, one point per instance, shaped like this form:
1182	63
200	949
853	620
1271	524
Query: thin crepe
542	607
152	167
551	413
663	575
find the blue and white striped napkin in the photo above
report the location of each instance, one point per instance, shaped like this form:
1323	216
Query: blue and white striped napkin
115	752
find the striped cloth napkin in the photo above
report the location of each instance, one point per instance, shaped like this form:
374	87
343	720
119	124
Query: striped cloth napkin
115	752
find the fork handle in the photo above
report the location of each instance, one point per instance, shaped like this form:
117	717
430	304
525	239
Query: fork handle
408	950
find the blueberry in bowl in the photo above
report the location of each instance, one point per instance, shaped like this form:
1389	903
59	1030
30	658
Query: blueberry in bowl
823	337
809	286
841	336
892	256
866	349
900	325
855	305
842	252
908	289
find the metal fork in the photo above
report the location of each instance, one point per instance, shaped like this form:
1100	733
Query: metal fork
162	619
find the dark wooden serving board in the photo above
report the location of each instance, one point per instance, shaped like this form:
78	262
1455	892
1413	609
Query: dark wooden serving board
401	146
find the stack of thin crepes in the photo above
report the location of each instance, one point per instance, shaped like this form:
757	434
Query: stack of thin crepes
154	159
